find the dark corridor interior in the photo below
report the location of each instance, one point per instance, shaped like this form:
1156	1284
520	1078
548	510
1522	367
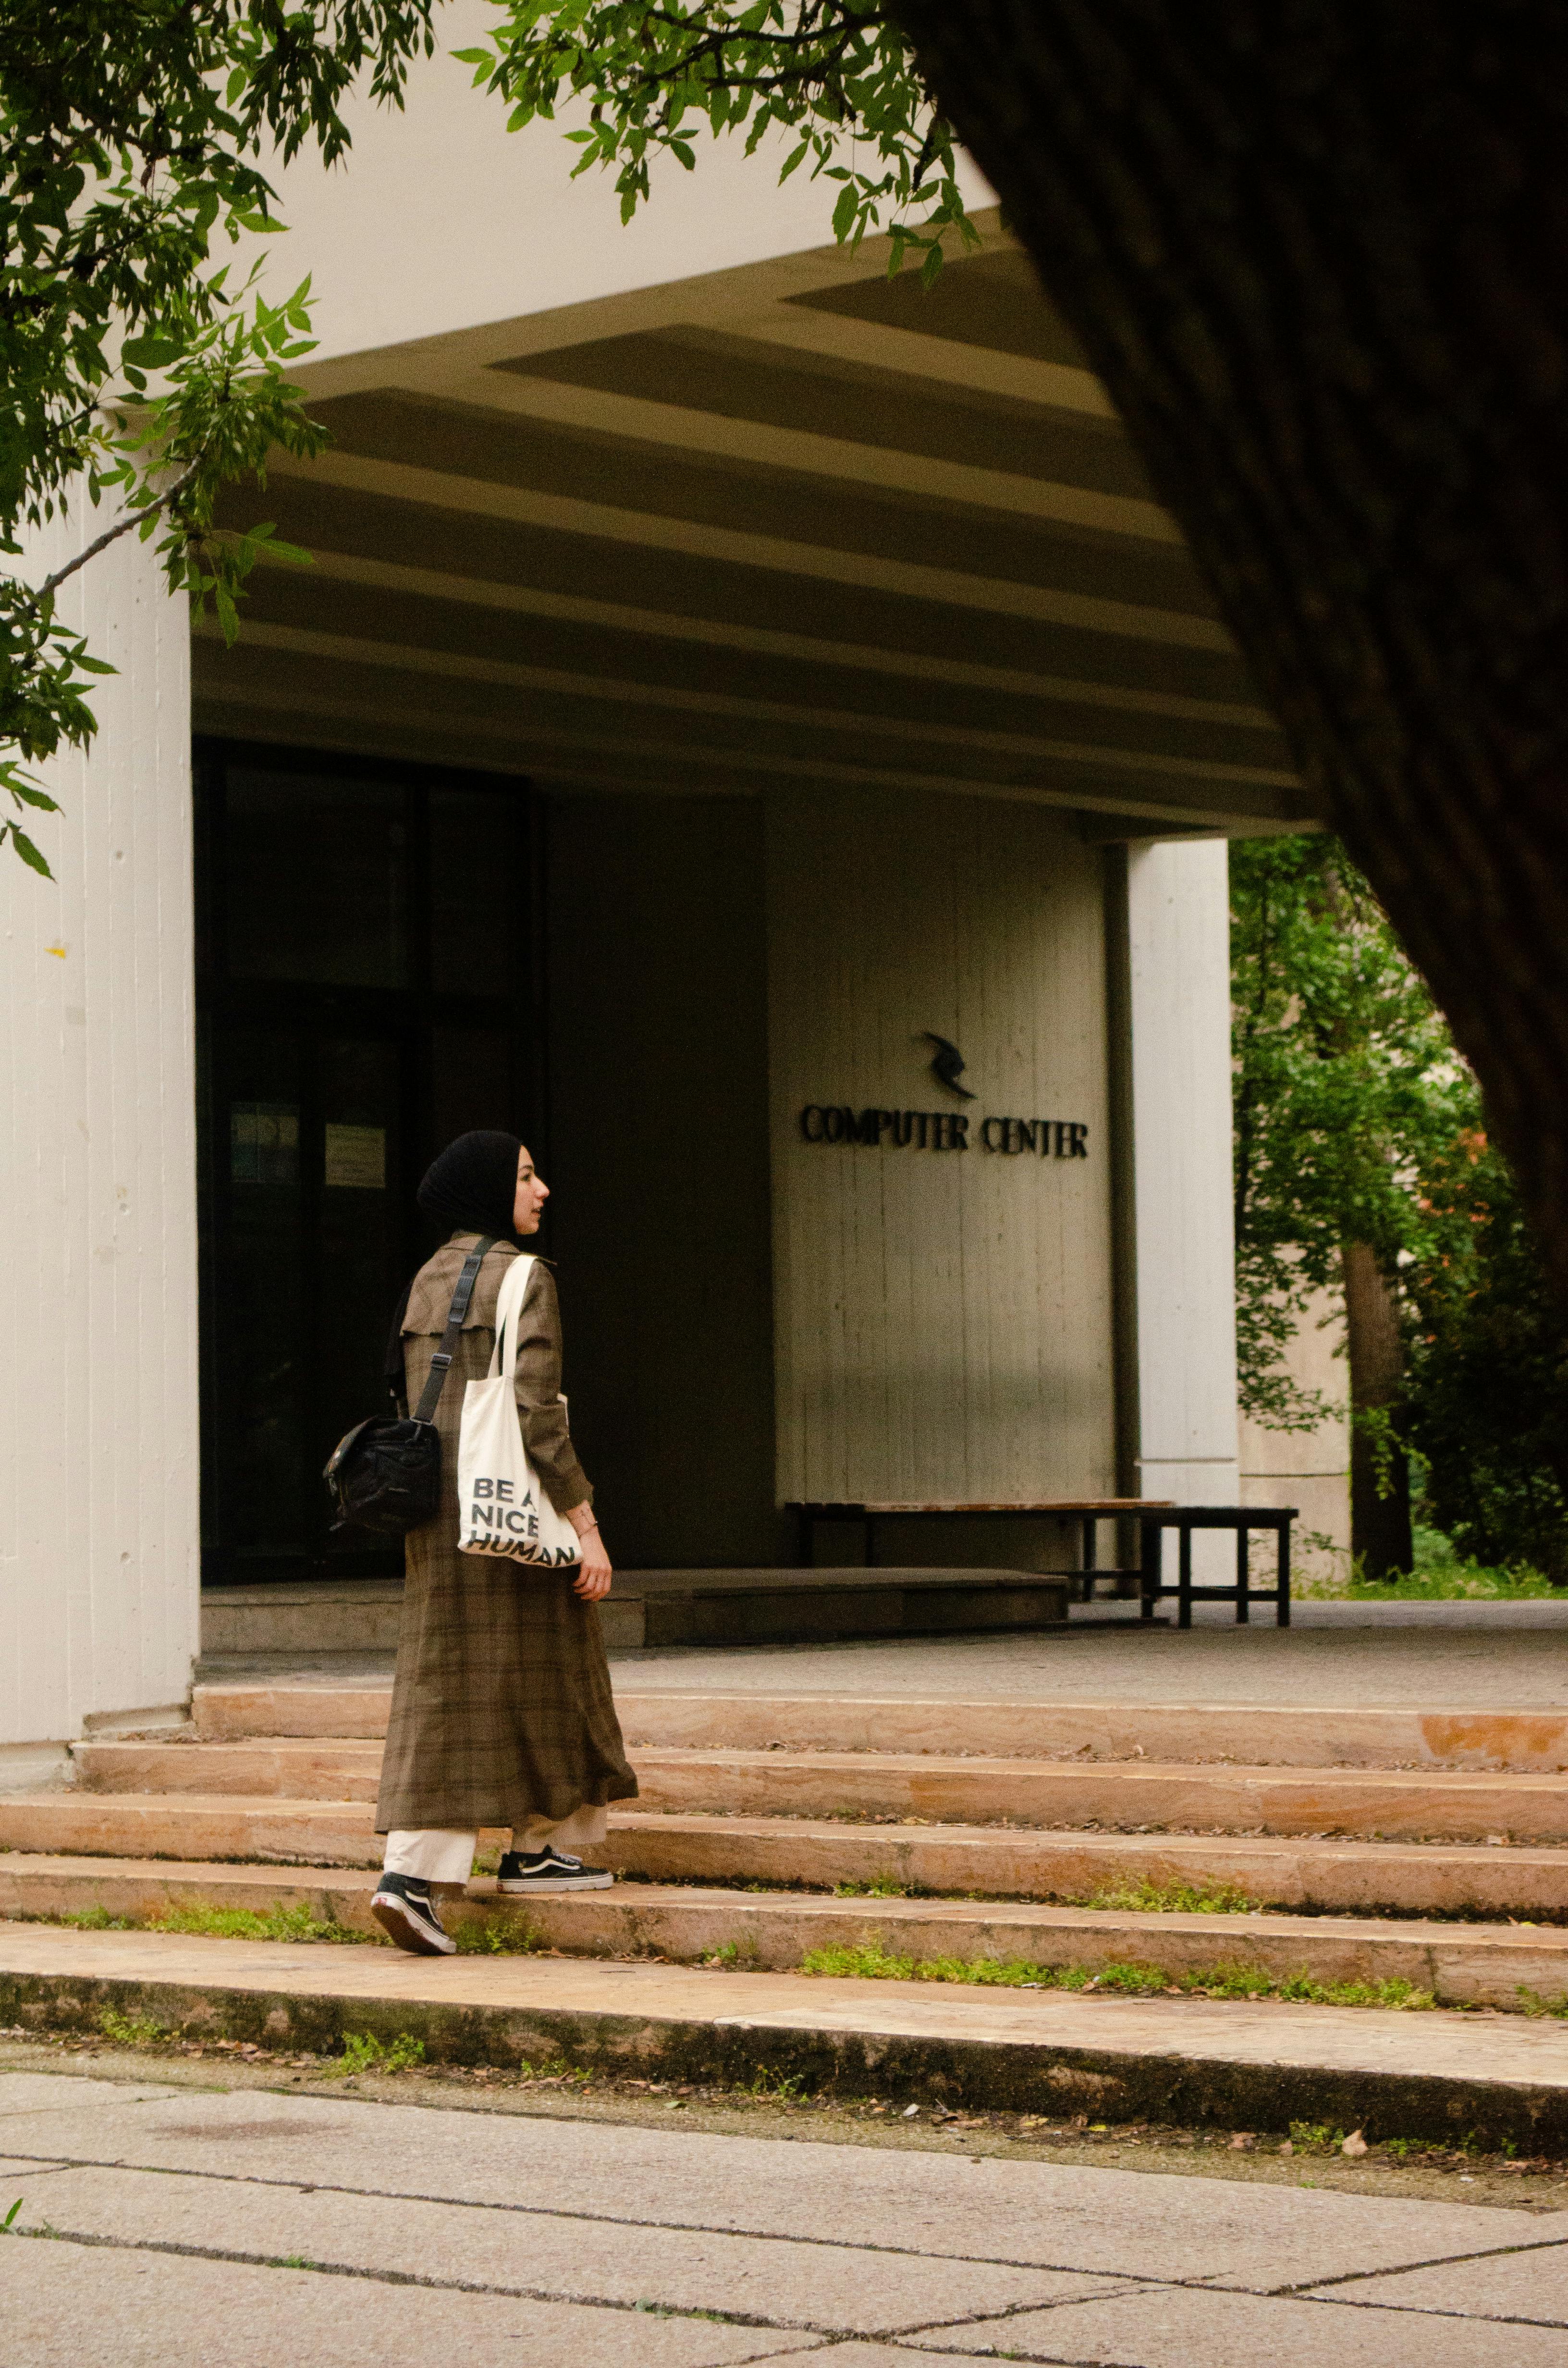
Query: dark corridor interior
390	954
367	987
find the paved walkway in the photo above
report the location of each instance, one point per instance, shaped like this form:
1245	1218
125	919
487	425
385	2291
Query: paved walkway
1341	1655
1338	1655
193	2227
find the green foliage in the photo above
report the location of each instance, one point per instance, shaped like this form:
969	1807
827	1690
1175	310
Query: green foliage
871	1963
130	132
880	1886
784	2087
1487	1354
248	1923
1146	1899
9	2221
838	75
130	2030
1357	1121
1446	1581
553	2068
495	1936
1315	2137
1346	1084
363	2052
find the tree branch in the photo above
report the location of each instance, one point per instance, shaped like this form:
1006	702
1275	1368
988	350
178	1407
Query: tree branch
121	525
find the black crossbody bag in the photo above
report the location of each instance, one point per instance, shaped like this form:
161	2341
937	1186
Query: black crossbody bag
385	1474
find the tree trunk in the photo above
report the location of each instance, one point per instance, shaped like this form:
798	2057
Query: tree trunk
1380	1481
1318	250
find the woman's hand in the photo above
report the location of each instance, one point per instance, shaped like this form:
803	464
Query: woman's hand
594	1574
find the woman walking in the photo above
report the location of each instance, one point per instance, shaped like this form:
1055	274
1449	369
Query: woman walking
501	1714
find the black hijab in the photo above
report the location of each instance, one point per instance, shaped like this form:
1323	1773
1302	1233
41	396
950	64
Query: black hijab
471	1188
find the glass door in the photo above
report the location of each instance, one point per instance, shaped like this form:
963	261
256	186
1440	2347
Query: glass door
366	992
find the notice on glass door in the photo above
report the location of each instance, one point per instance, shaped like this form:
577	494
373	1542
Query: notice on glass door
264	1143
357	1157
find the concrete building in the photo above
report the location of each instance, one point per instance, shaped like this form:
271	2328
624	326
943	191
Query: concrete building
724	672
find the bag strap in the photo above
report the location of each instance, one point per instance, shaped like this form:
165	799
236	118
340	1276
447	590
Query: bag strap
509	1316
440	1364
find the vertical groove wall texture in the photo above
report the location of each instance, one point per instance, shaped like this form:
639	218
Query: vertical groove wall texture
99	1545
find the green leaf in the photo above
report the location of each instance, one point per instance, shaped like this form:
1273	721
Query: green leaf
26	850
150	352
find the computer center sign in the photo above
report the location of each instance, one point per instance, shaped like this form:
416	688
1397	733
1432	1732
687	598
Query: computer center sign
909	1130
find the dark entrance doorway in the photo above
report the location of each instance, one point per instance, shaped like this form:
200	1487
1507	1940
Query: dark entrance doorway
368	987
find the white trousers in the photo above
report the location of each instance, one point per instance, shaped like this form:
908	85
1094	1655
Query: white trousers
440	1857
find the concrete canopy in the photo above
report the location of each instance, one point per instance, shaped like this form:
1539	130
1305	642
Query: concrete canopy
792	523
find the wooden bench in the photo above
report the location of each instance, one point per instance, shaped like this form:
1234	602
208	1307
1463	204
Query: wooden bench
1242	1520
1090	1510
1153	1515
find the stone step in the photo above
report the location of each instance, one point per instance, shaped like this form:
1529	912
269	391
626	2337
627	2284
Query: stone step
236	1713
1137	1795
191	1825
1409	1878
1490	1965
1234	2065
1531	1741
289	1768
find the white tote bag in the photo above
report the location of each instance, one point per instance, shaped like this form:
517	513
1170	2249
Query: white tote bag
501	1509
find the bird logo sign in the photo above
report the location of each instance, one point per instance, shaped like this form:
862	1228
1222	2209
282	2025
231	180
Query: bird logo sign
947	1064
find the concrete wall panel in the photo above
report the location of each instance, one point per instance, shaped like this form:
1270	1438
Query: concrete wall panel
943	1317
98	1521
1179	1011
658	1158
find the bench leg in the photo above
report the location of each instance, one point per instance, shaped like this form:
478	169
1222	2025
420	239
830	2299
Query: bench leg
1244	1580
1282	1610
1184	1577
1149	1561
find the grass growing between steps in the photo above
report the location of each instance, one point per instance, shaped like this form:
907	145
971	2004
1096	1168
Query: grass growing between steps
869	1962
1172	1900
217	1923
476	1936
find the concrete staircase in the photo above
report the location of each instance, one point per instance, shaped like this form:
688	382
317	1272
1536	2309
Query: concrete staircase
1430	1847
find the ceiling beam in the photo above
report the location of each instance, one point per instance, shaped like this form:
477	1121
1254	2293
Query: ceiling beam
755	444
599	689
947	587
808	649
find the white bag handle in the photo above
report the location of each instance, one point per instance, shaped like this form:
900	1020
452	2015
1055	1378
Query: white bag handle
502	1505
510	1317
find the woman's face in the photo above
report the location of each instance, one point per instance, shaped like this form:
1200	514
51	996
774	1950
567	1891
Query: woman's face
533	1194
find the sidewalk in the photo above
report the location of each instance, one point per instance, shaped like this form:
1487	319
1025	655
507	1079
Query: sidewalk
192	2229
1239	2064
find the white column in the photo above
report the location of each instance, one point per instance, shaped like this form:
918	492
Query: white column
1182	1251
99	1545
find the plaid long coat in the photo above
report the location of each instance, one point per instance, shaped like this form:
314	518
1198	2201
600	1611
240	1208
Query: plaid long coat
501	1707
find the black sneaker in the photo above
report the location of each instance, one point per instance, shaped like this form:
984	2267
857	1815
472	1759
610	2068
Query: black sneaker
549	1870
403	1906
